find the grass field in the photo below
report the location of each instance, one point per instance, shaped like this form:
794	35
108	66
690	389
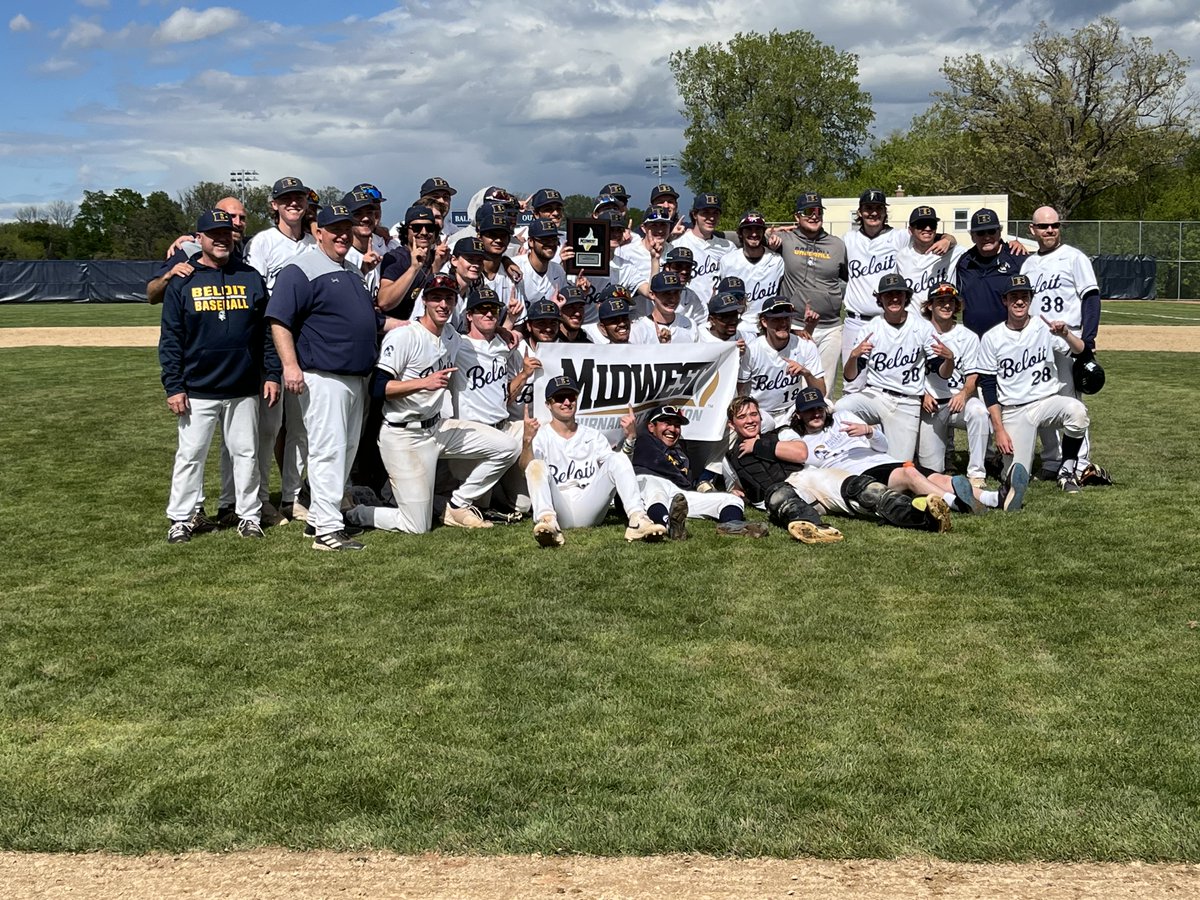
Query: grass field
1021	688
99	315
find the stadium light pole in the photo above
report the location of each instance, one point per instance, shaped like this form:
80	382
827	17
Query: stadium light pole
659	162
242	179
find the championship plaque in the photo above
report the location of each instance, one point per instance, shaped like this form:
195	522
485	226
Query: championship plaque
589	239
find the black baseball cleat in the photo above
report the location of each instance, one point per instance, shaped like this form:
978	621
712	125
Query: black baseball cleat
336	540
1067	481
179	533
199	523
248	528
347	529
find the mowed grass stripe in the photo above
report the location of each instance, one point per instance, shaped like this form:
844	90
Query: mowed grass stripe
1020	688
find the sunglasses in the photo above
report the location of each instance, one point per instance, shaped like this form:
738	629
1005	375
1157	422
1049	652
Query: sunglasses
812	212
1045	226
487	310
990	232
422	228
372	192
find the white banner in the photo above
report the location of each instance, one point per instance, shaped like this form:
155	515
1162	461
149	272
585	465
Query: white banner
701	379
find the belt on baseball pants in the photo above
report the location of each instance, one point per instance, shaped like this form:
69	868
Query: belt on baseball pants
897	393
863	317
414	424
501	424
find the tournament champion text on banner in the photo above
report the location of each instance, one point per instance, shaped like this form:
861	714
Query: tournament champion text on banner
701	379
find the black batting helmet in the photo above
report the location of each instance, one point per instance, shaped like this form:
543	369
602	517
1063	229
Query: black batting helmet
1089	377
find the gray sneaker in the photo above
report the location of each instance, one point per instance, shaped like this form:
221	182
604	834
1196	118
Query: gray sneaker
179	533
964	494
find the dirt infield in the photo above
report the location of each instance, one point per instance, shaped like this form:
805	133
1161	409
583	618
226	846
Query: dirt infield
269	874
1177	339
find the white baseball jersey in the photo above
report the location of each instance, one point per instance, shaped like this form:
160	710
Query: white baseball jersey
1022	361
480	386
832	448
761	278
704	336
867	261
635	264
965	344
708	255
765	370
571	462
897	359
923	270
692	306
414	352
271	250
516	409
1060	278
536	286
354	259
645	330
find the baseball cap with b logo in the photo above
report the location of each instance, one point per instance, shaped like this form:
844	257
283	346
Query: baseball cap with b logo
1018	282
809	200
561	384
665	281
984	220
287	185
809	398
546	197
923	214
436	184
893	281
213	220
706	201
331	215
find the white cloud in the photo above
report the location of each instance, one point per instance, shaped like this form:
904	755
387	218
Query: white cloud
19	23
82	34
186	24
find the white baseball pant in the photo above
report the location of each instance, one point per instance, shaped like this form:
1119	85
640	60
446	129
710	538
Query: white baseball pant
900	418
411	453
707	505
587	506
828	339
333	407
1023	422
1050	437
937	433
822	488
239	425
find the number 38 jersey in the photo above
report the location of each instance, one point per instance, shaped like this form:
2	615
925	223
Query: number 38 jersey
896	362
1022	361
1060	279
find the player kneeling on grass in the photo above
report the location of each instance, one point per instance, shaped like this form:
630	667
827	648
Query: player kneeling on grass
573	473
412	376
669	486
1020	383
842	441
213	342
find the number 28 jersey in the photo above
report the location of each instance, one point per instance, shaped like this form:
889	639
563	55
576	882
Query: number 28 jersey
1022	361
896	362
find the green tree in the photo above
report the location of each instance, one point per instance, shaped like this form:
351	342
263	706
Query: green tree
125	225
1086	111
203	195
769	116
578	206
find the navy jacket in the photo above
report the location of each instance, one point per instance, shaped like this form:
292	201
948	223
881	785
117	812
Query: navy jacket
214	343
652	457
981	282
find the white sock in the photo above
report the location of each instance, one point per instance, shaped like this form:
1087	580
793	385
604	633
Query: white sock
950	498
990	498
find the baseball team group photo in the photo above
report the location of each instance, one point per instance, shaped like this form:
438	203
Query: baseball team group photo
741	521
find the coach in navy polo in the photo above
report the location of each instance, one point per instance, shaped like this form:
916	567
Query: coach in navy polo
984	273
324	325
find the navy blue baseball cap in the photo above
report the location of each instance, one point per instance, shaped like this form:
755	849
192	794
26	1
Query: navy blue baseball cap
571	295
418	214
706	201
984	220
1017	282
923	214
288	185
667	413
356	200
893	281
615	308
540	229
482	296
656	214
731	284
679	255
492	217
615	216
724	303
543	309
810	398
371	191
665	282
777	306
808	200
872	195
213	220
430	185
663	190
613	291
614	190
561	384
332	214
545	197
469	246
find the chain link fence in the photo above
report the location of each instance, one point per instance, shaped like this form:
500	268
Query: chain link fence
1175	245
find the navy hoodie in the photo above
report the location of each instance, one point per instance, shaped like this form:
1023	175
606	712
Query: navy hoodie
215	343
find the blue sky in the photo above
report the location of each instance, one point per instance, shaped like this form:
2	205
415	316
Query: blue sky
570	94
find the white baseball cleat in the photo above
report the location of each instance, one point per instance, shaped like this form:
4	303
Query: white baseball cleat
467	517
642	529
547	533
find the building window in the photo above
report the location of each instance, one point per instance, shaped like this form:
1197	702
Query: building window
962	218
